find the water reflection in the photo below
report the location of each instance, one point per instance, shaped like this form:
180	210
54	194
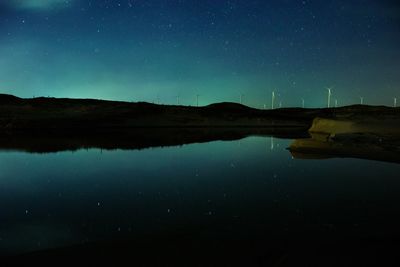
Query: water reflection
203	193
362	146
135	139
272	143
304	146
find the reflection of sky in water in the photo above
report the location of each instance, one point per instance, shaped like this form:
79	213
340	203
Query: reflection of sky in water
236	188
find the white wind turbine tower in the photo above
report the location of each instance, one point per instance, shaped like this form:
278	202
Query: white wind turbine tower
336	103
197	100
177	100
329	95
302	103
273	100
361	100
395	102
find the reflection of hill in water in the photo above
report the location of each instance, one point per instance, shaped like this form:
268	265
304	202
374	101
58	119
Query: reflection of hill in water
362	146
319	146
47	142
374	136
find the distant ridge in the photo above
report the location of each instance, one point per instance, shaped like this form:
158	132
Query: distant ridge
8	99
91	114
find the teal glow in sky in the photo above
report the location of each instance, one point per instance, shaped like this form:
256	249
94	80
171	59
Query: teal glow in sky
156	50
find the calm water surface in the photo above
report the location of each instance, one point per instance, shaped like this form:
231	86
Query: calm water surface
251	188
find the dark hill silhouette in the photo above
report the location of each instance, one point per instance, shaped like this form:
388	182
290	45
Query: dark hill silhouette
63	113
9	99
90	114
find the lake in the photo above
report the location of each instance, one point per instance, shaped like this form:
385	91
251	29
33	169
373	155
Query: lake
248	189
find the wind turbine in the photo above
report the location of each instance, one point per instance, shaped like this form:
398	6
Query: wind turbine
329	95
241	98
177	100
280	104
197	100
302	103
336	103
395	102
361	100
273	100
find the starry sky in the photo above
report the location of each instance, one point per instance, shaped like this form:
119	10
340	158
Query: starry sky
156	50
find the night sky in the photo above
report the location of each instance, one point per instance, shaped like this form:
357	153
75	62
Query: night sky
156	50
